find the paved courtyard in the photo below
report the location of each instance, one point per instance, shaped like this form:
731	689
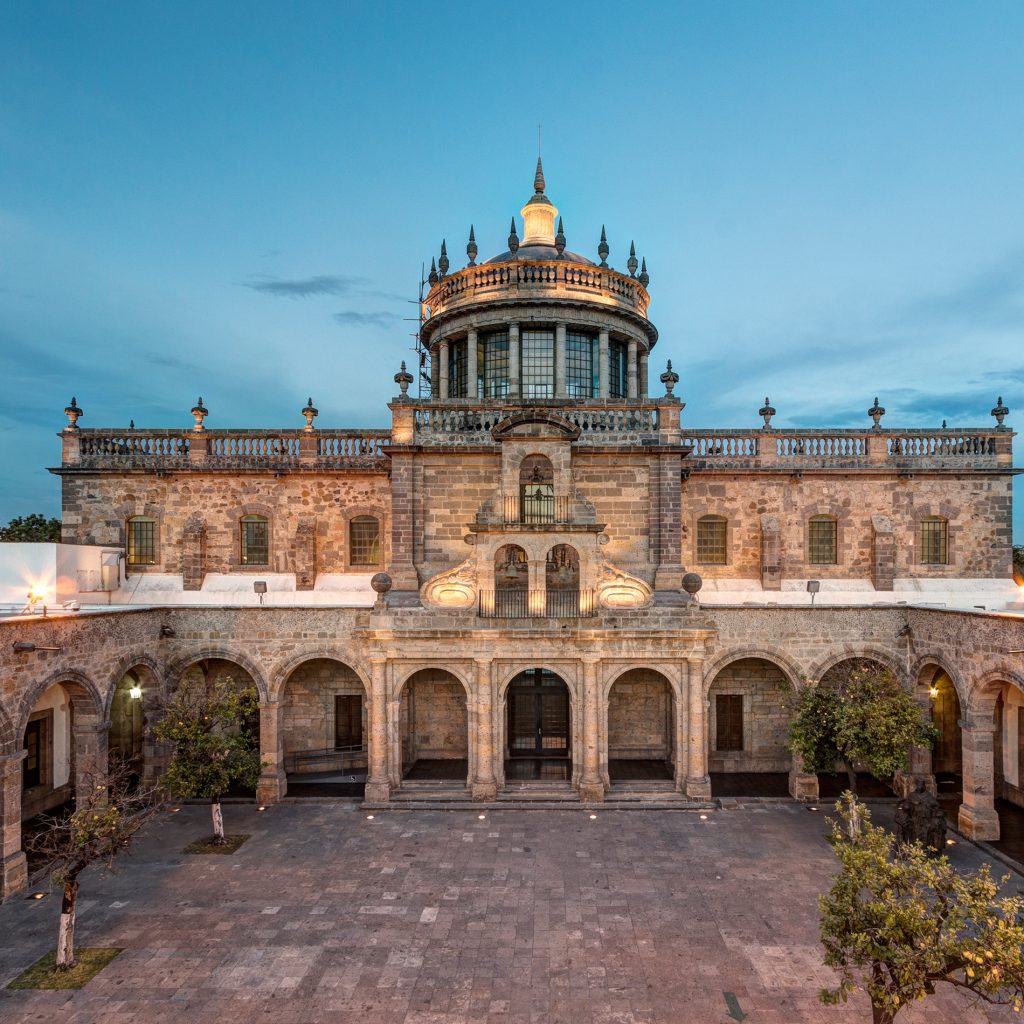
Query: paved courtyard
525	917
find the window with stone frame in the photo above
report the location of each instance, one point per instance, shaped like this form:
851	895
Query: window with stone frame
141	540
581	365
537	360
254	540
457	369
729	721
932	540
364	541
822	540
712	535
492	365
618	361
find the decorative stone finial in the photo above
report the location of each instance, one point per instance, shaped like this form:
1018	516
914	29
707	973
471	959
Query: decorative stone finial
471	249
692	583
876	412
432	276
381	583
560	239
669	378
631	263
767	411
944	425
442	263
311	414
1000	412
200	412
513	238
538	178
131	424
73	412
403	379
602	248
645	278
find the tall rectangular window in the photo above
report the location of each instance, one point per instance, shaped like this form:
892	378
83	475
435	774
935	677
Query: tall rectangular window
822	546
492	365
932	535
255	541
729	721
581	365
618	359
141	541
711	540
538	364
457	370
364	541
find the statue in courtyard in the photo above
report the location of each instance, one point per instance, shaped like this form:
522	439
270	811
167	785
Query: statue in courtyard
920	818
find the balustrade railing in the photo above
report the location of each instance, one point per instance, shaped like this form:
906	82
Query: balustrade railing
535	509
536	604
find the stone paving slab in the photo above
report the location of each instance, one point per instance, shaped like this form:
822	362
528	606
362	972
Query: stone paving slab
428	917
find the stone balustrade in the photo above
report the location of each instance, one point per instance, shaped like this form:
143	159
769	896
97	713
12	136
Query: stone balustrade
809	449
213	449
537	279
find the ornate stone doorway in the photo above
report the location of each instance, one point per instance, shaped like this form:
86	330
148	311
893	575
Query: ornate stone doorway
538	723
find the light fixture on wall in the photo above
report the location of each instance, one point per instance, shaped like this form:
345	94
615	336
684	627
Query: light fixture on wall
260	587
813	586
166	632
135	692
26	647
933	692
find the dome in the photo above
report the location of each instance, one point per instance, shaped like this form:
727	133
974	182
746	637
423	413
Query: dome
539	252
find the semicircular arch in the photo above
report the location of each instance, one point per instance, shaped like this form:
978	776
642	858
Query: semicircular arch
281	672
786	665
453	670
180	667
675	684
78	684
867	653
126	664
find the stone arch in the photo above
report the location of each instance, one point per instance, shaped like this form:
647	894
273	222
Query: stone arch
8	738
670	673
279	673
567	672
982	698
125	665
78	685
641	725
868	653
182	665
786	665
405	674
434	722
934	661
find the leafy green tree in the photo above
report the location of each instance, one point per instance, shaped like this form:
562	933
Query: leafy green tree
1018	562
868	720
32	529
214	726
897	921
110	810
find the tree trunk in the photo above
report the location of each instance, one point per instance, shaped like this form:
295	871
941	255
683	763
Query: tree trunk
881	1015
851	777
218	820
66	935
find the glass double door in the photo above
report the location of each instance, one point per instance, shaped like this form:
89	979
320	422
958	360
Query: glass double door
538	715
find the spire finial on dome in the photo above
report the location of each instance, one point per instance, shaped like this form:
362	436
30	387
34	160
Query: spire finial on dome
602	248
442	263
631	263
560	240
432	278
538	178
513	238
645	278
471	249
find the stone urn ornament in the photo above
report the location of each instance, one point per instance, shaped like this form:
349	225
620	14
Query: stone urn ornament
74	412
670	379
692	583
766	412
1000	412
200	412
876	412
311	413
403	379
381	583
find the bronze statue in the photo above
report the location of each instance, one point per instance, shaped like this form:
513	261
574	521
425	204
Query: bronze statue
920	818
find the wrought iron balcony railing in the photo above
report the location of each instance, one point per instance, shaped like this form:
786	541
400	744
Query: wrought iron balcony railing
536	604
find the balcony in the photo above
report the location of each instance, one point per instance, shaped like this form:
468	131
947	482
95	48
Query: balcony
536	604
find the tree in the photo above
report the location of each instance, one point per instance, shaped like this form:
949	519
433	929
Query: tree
868	721
214	727
110	810
1018	563
31	529
896	922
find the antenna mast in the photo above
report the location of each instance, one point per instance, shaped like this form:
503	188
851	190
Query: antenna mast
424	387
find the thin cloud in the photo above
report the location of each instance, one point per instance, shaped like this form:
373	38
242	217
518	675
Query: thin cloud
304	287
351	318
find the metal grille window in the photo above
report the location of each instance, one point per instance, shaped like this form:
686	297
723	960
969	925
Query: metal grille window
729	721
364	541
932	535
457	370
711	540
618	355
822	544
581	365
492	365
141	541
538	363
255	541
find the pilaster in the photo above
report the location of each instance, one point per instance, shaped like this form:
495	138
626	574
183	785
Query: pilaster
560	361
472	366
484	785
978	818
603	366
698	782
378	788
591	788
13	864
273	783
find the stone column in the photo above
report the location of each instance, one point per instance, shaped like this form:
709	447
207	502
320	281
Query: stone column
919	767
978	818
273	783
698	784
13	866
378	788
442	377
484	785
631	369
513	360
679	724
643	374
602	364
802	785
472	368
559	361
402	569
88	751
668	543
591	786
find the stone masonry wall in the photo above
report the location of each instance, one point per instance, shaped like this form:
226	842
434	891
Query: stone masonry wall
765	718
638	716
309	703
434	718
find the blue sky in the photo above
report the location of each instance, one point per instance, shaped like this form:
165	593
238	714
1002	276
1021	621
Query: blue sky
235	200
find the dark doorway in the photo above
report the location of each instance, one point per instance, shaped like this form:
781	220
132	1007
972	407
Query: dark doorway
34	747
348	720
538	715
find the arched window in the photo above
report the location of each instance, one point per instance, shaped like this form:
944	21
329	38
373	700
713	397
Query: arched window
364	541
711	540
536	490
141	538
932	533
822	541
254	540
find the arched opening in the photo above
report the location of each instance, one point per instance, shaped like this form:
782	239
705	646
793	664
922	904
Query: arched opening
536	490
538	732
511	581
325	728
434	728
748	730
1008	768
947	752
127	742
562	582
832	785
641	727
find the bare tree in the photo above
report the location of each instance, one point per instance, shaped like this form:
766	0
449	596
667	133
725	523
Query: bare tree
109	813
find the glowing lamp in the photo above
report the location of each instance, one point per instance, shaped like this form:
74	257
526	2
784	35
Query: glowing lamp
135	692
933	692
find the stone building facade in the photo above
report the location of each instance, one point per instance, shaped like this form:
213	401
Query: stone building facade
576	596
